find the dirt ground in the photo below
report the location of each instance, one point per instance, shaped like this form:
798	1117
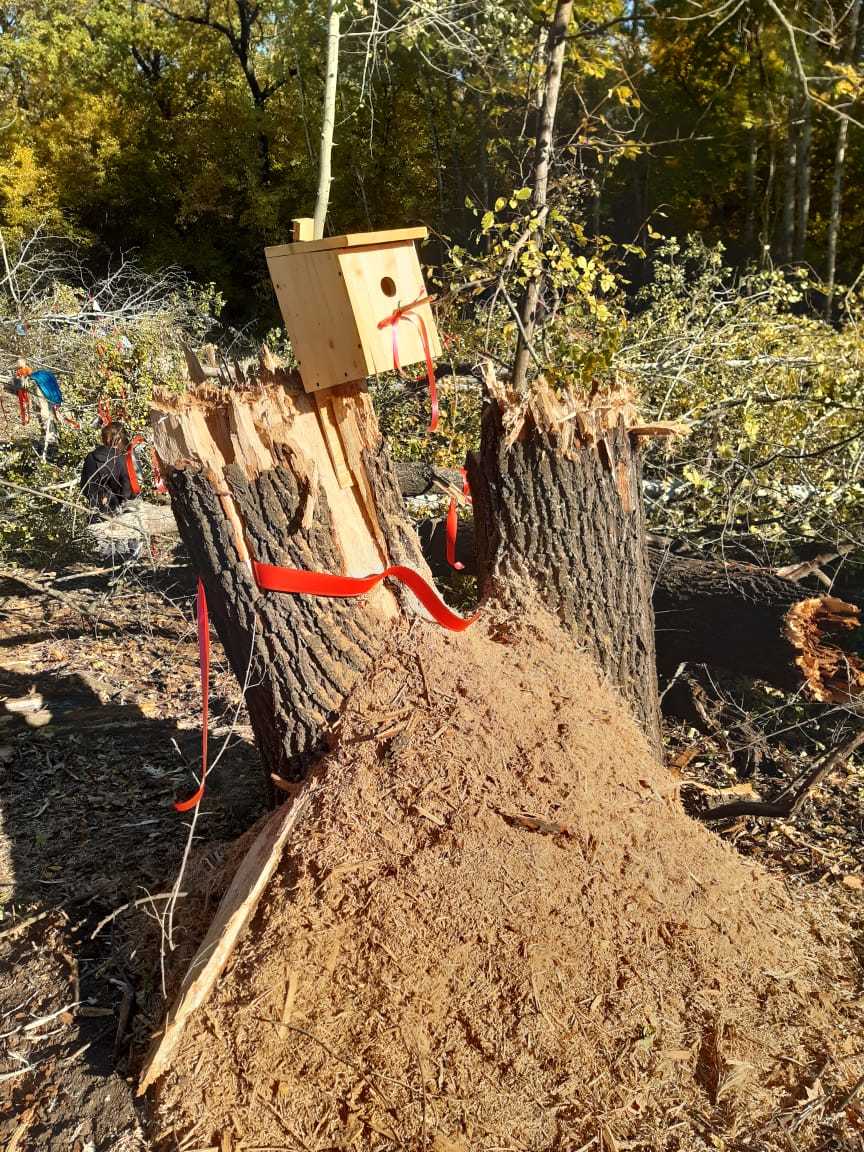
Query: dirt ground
88	827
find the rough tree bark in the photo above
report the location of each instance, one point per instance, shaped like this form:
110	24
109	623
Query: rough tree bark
558	515
755	624
272	474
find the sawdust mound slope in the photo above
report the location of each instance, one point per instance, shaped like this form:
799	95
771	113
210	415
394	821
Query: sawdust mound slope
453	979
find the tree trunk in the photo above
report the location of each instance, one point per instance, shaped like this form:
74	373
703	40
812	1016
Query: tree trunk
556	47
275	475
729	617
803	178
558	512
754	624
835	211
328	121
750	209
787	218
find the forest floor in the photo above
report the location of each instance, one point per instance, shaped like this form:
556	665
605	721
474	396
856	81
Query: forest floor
87	828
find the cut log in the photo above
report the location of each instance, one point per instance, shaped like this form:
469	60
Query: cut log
556	488
754	624
732	617
268	473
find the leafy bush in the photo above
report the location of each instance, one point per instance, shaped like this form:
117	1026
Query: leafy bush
111	341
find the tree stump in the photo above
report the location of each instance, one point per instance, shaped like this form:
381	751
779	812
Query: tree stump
266	472
558	513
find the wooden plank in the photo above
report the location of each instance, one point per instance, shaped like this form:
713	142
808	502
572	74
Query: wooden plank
233	915
349	240
379	281
302	228
319	319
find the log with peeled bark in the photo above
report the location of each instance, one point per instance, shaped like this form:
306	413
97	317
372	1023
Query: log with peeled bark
556	489
269	473
736	617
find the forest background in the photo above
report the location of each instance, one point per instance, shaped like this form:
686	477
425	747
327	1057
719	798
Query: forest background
702	240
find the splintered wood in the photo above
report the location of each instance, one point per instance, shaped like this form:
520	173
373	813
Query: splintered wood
233	915
832	674
322	439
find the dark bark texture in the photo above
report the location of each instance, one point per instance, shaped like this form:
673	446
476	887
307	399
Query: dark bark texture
726	616
743	619
569	526
299	655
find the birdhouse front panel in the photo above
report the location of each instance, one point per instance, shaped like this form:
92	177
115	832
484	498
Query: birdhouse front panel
381	280
336	296
318	317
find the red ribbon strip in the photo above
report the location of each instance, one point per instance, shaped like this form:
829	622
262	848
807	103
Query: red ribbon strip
204	662
453	523
158	482
23	405
272	578
392	321
131	470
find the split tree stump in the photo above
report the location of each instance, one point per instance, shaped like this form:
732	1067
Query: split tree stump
266	472
558	513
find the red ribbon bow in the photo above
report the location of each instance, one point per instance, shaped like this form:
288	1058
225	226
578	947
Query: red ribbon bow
405	312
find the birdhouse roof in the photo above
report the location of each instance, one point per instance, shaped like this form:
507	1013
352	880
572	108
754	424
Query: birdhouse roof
350	240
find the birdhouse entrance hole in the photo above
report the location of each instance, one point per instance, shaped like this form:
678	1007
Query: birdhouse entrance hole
336	296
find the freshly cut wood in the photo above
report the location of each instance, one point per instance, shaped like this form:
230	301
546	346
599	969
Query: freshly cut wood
335	299
347	240
269	473
558	514
232	916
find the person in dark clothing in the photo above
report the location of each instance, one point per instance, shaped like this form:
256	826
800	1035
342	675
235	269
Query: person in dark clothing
105	479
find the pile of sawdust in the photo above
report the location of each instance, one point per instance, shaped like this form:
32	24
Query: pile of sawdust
452	977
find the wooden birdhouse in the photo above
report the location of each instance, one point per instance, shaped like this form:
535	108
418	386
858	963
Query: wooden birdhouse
336	296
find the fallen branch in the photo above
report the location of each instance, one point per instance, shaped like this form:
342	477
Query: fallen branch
793	797
52	593
131	904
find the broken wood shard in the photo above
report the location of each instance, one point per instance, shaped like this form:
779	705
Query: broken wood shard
232	917
832	674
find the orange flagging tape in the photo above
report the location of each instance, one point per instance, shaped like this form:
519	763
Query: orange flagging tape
453	523
204	663
272	578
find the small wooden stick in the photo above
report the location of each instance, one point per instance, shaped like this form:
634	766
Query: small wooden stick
288	1006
